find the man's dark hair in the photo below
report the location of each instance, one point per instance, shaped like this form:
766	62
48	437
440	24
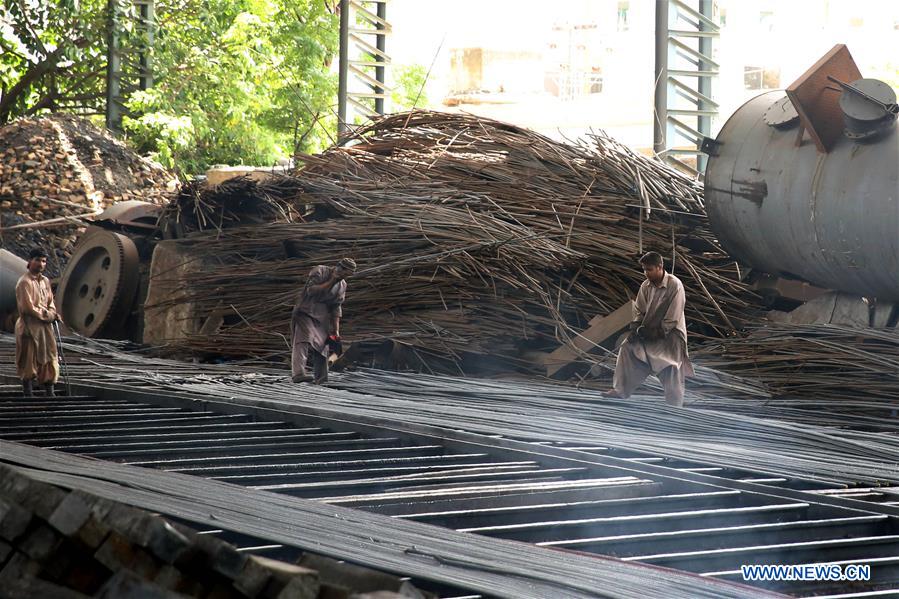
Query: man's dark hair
37	253
652	259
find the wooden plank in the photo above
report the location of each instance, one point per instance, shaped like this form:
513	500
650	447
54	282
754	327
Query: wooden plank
601	328
817	100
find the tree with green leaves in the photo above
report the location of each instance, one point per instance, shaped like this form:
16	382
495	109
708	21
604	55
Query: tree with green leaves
409	87
234	80
52	56
244	81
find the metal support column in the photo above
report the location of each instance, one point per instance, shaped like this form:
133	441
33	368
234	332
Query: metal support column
381	43
362	89
705	83
684	108
660	116
113	68
128	57
343	68
147	15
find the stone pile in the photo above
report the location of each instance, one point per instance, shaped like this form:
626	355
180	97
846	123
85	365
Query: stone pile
58	171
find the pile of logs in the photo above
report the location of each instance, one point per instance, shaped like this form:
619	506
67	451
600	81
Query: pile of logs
73	545
56	172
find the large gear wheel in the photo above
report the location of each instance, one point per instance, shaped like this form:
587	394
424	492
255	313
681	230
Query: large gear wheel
96	292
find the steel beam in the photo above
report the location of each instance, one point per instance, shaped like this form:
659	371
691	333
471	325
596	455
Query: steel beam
343	68
113	68
684	75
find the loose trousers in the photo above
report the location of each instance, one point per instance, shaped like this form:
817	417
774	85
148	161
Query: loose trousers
27	366
298	359
631	371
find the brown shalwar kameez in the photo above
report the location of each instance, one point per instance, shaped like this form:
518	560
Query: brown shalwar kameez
36	356
662	307
311	323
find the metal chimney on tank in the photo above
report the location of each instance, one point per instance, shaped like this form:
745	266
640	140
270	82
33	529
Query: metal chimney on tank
793	193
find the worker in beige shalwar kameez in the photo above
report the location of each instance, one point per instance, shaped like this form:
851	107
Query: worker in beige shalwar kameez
658	340
36	352
316	316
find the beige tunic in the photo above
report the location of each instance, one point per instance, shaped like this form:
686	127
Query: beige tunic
36	352
657	307
651	300
312	313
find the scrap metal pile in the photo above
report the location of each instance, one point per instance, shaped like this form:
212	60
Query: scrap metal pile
827	363
476	241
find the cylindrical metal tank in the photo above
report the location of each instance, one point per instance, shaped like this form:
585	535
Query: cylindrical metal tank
830	219
11	268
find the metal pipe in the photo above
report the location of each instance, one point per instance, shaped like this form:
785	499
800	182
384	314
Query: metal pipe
704	123
343	68
660	120
113	68
381	43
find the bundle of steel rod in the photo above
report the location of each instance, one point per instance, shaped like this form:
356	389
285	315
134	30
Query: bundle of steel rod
476	239
464	286
238	201
494	567
525	410
816	363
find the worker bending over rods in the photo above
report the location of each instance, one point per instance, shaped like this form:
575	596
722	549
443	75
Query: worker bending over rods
658	339
316	317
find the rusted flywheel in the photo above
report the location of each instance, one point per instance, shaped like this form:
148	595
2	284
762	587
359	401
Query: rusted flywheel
96	292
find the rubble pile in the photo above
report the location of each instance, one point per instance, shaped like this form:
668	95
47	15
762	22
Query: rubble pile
58	171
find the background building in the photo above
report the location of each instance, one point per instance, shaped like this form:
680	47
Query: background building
566	67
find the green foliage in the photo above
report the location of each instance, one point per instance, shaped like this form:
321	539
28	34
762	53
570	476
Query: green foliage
246	81
50	58
234	80
409	87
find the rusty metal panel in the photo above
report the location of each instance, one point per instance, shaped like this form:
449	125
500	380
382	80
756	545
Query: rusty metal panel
817	100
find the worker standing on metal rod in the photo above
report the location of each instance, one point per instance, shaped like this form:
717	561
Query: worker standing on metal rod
658	340
36	351
316	317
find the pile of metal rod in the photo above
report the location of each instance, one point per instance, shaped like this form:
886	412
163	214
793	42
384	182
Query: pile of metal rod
476	240
235	202
547	412
823	363
494	567
524	410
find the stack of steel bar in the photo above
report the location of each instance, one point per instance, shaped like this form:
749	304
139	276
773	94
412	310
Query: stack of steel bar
533	411
474	238
493	566
824	362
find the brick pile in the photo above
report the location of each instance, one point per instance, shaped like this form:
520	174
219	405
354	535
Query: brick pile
72	544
